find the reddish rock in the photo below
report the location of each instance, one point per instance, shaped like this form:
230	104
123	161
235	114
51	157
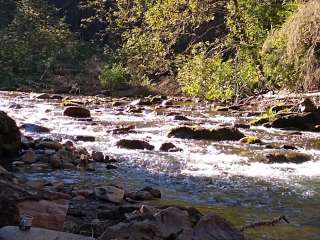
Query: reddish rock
46	214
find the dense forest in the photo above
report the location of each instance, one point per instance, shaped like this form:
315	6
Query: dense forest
215	49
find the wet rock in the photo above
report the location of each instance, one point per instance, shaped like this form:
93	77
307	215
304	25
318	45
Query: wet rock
219	134
279	108
292	157
49	144
180	118
145	194
77	112
111	166
10	137
68	102
141	102
123	129
167	103
118	103
250	140
134	144
55	162
43	96
112	194
288	147
46	214
85	138
29	157
13	233
169	147
29	127
302	121
97	156
213	227
242	125
307	105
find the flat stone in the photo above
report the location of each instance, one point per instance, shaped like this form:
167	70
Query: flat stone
46	214
109	193
13	233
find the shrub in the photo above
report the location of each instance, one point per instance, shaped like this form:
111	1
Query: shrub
114	78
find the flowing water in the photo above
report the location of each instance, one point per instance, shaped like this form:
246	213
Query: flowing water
226	177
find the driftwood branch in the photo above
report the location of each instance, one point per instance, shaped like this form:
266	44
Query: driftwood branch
265	223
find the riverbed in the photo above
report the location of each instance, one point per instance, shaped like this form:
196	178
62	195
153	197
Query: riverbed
225	177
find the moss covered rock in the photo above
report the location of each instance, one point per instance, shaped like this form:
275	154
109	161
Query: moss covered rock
219	134
250	140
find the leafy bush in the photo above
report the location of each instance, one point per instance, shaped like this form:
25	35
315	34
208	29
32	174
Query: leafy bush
114	78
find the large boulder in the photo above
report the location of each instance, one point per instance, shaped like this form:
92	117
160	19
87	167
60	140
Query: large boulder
13	233
302	121
218	134
110	193
77	112
214	227
10	137
46	214
134	144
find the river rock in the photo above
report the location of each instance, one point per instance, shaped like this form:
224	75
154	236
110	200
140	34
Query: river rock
134	144
10	137
169	147
13	233
49	144
250	140
307	105
302	121
29	157
214	227
77	112
29	127
43	96
46	214
133	231
145	194
180	118
97	156
292	157
173	221
219	134
112	194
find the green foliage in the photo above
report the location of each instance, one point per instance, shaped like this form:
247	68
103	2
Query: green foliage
114	78
36	42
210	78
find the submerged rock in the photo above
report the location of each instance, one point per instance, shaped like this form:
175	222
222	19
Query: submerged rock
10	137
77	112
219	134
29	127
134	144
